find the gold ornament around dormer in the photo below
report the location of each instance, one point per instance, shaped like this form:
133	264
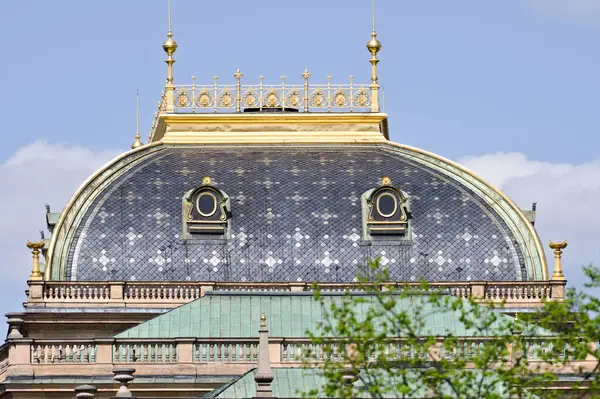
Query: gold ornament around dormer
205	212
36	274
387	212
558	249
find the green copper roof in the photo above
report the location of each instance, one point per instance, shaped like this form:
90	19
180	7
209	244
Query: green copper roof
292	382
232	315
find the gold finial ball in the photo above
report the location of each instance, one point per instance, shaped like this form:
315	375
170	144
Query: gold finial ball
374	45
386	181
206	180
137	143
170	45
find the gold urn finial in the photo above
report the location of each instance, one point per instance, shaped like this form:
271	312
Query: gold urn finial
374	46
137	142
35	247
263	320
558	247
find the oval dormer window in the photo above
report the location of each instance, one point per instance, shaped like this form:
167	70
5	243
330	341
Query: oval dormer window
206	204
387	205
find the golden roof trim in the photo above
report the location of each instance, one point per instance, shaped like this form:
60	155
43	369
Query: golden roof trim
274	128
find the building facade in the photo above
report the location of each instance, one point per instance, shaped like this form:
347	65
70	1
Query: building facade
241	198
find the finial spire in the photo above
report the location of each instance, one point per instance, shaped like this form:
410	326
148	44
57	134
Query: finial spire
137	142
35	247
170	46
374	46
558	250
264	375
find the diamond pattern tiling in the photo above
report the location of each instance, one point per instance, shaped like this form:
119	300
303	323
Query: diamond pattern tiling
296	216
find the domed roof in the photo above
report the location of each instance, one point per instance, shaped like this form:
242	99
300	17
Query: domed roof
295	216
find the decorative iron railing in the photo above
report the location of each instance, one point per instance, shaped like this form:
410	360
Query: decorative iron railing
306	97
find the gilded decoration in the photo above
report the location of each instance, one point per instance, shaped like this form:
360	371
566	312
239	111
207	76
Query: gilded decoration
204	99
303	96
340	99
294	98
318	99
250	99
272	99
205	212
183	99
226	99
387	212
362	98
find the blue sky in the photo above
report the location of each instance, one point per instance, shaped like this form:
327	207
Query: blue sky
460	77
510	88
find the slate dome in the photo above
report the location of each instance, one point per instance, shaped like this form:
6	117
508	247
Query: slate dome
295	216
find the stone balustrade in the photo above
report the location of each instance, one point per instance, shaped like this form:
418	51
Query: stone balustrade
230	355
136	351
226	351
173	294
58	352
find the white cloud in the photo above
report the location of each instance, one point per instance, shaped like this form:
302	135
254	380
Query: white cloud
580	9
36	174
568	199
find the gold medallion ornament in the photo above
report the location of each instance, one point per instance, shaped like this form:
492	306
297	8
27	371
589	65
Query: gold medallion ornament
204	99
386	181
361	98
226	99
271	99
206	180
294	98
340	99
318	99
183	99
250	99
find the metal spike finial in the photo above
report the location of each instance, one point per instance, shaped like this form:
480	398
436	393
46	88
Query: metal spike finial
169	13
137	142
373	14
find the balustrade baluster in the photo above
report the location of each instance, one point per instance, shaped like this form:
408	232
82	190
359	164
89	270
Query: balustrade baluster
68	354
226	352
219	352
